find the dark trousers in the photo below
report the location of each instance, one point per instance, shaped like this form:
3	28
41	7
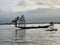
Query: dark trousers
15	23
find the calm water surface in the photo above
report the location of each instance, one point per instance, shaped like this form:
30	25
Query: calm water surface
9	35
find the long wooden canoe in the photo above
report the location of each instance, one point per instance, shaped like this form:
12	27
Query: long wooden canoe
34	27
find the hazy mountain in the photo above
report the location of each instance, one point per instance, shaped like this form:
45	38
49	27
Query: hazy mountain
38	15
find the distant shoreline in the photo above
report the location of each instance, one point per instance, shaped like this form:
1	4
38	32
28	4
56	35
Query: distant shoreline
31	23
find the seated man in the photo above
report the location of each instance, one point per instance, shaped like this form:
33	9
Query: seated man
15	21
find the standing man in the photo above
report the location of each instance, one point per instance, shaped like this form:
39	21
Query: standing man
51	24
15	21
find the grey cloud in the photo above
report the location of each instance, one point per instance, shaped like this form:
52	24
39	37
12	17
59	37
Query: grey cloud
1	11
40	3
55	1
38	15
22	3
46	2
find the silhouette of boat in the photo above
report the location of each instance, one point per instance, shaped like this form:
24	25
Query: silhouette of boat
22	25
34	27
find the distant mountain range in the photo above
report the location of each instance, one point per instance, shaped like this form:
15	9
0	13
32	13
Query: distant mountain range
32	16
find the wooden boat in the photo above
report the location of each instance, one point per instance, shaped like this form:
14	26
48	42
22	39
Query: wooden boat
22	24
34	27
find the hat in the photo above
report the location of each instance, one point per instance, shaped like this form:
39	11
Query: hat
17	16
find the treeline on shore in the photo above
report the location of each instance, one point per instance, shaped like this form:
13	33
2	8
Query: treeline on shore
31	23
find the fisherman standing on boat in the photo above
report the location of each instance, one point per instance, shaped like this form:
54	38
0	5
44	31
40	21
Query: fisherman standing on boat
51	24
15	21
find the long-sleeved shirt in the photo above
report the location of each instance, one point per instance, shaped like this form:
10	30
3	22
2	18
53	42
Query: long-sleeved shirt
16	19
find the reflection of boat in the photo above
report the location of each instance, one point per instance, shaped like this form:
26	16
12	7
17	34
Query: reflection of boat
51	30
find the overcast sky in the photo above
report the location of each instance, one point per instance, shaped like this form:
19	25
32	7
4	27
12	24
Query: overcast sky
23	5
9	9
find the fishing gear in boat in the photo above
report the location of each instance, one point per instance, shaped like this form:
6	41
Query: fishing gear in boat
51	28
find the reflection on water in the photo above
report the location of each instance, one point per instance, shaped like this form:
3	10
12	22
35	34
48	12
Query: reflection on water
9	35
19	34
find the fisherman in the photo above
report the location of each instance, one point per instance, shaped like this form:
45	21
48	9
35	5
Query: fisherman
51	24
15	21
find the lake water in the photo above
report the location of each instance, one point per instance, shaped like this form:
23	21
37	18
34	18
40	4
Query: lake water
9	35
